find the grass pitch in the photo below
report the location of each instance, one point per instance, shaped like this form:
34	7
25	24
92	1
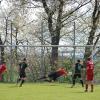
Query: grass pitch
46	91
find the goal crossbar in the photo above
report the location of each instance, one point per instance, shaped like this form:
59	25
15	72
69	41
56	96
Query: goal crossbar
48	46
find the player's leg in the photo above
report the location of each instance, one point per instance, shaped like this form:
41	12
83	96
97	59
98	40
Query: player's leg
53	76
91	82
92	87
73	80
45	77
19	79
81	81
23	78
22	81
87	83
86	86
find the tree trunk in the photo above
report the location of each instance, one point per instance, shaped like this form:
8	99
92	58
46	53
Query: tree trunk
55	33
95	20
54	53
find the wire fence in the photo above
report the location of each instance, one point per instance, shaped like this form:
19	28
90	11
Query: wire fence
38	59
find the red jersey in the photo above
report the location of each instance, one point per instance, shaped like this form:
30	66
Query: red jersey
89	70
2	68
89	67
61	72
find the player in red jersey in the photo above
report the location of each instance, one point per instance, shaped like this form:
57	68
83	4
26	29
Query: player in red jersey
54	75
61	72
2	69
89	74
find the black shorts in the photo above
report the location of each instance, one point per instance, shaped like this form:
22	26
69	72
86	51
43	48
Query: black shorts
22	75
77	75
53	76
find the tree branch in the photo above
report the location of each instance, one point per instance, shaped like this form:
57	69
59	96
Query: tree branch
71	12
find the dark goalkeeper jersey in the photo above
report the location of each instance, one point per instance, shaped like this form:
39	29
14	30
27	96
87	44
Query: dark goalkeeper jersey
78	68
22	67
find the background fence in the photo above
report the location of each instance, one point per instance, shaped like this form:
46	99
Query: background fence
38	59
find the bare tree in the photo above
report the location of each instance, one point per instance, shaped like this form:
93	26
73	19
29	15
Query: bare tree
61	17
95	21
55	34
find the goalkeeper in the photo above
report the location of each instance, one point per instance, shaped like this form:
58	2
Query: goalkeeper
54	75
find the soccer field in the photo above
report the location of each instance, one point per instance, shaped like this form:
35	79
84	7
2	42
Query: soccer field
46	91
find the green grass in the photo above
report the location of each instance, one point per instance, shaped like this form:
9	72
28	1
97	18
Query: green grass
47	91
